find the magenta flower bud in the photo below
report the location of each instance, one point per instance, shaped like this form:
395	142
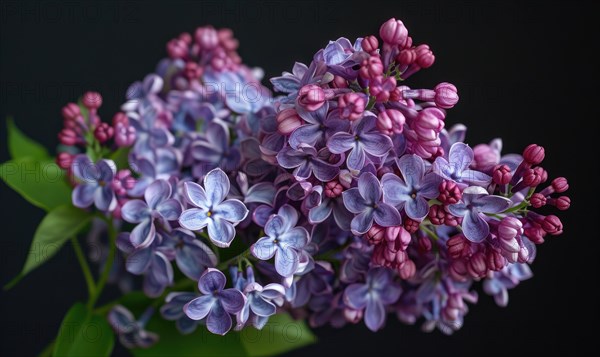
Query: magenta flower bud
396	94
70	111
311	97
390	121
560	184
206	37
381	88
186	38
371	67
68	137
532	177
535	234
393	32
437	215
369	44
509	228
477	265
64	160
429	123
407	269
501	174
120	117
458	246
288	120
562	203
495	260
353	316
176	48
339	82
103	132
92	100
446	95
449	192
411	225
124	134
122	182
406	57
352	105
227	40
425	244
192	70
537	200
333	189
425	57
552	225
510	246
485	157
534	154
458	270
375	235
522	256
399	235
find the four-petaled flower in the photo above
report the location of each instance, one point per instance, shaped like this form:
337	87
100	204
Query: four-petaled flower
214	150
284	240
261	301
216	303
456	168
373	295
364	140
131	332
305	161
95	183
319	126
191	255
475	201
157	206
365	201
172	310
412	191
213	211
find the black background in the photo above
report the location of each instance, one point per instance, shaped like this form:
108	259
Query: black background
526	73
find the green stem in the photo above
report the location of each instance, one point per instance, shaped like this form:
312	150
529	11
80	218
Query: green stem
89	279
112	237
430	232
236	259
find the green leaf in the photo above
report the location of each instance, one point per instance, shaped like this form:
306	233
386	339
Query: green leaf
55	229
281	334
83	334
20	146
121	157
42	183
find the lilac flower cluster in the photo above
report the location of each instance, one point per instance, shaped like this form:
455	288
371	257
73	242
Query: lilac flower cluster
345	198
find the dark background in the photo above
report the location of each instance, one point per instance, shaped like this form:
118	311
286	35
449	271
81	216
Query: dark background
526	73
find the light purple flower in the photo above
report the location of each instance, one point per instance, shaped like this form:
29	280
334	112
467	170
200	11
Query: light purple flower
342	57
411	191
328	205
131	332
214	150
290	83
95	185
173	311
508	278
364	140
157	207
165	163
366	202
456	168
305	161
320	125
261	302
191	255
378	291
216	303
212	209
283	240
475	202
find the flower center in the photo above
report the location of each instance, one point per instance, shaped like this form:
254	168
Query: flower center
208	214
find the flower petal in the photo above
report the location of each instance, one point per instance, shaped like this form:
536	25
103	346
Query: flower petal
356	159
218	321
231	210
290	158
262	192
296	237
460	156
193	258
374	314
261	307
173	309
106	170
362	222
84	169
475	178
458	209
232	300
264	248
320	212
143	234
121	320
196	194
220	232
416	208
139	261
356	295
429	187
157	192
376	144
341	142
216	185
135	211
286	261
193	219
104	198
369	188
492	204
412	169
475	228
353	200
186	325
83	195
198	308
308	134
387	216
212	280
324	171
170	209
